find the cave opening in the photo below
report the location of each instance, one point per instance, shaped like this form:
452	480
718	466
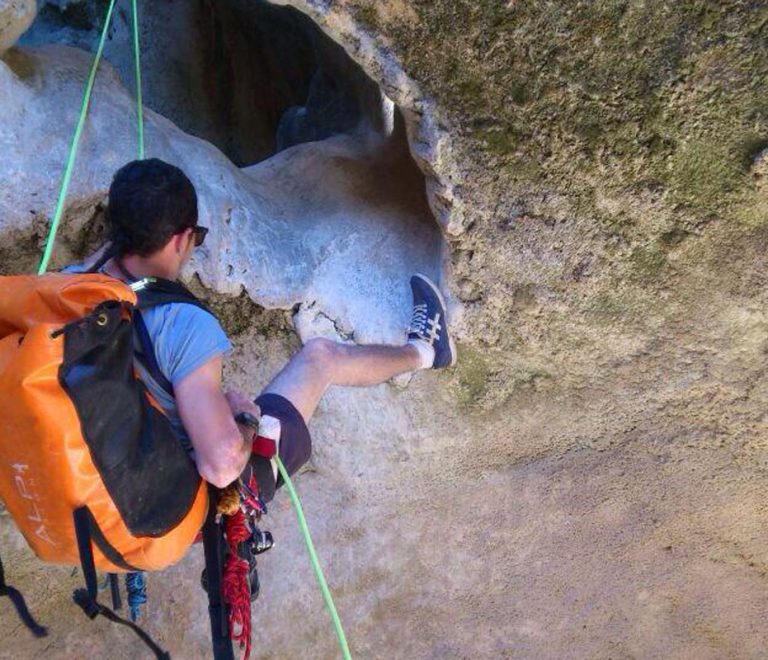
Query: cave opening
271	79
282	100
248	76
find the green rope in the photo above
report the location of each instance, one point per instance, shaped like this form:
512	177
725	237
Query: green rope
137	62
52	238
73	148
315	562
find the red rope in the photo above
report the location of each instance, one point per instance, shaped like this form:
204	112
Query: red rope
251	498
236	587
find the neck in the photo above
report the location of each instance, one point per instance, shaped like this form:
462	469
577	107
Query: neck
141	267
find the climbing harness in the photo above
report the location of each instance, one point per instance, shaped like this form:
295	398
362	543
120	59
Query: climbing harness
231	538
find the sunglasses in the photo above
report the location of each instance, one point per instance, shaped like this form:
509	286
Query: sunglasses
199	233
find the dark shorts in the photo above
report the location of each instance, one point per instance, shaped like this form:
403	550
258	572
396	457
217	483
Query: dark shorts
295	441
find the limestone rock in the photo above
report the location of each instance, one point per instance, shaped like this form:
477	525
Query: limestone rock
590	480
15	17
281	230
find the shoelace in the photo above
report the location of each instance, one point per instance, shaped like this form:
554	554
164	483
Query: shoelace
418	319
424	327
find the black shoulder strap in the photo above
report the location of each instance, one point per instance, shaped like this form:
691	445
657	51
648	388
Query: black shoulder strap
21	606
87	598
153	292
147	355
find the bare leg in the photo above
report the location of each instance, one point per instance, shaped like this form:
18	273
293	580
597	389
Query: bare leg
322	363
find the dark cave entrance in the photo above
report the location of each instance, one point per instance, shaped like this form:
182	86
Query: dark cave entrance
273	80
250	77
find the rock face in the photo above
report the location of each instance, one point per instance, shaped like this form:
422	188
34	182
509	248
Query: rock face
285	238
590	480
15	17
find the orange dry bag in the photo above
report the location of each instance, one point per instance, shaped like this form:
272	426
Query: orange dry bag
82	442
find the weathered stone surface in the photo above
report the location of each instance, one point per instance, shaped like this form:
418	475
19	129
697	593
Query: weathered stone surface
285	238
15	17
590	480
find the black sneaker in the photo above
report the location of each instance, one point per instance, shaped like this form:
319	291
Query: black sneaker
429	321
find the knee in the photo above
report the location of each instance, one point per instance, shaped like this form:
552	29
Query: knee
321	353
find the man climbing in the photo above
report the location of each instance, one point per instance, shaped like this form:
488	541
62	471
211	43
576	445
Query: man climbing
153	229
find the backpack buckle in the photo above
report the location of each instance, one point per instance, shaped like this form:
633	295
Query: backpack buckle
142	284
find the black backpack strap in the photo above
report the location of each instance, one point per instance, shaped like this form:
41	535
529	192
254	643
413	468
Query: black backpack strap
82	522
213	546
147	356
114	588
153	292
87	598
21	606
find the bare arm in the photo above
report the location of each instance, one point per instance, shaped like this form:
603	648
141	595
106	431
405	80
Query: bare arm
221	448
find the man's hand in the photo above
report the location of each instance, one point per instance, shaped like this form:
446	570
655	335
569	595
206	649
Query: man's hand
240	403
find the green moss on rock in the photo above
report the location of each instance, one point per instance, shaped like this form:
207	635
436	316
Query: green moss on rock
472	374
239	313
648	261
567	94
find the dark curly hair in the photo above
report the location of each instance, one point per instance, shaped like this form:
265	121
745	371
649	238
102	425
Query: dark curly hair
149	202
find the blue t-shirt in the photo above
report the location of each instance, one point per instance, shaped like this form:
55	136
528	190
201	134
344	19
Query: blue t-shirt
184	337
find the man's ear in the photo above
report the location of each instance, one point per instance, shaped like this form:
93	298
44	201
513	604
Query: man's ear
181	240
